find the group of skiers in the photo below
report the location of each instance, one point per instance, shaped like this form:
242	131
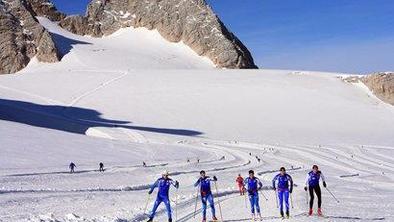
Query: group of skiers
72	167
282	183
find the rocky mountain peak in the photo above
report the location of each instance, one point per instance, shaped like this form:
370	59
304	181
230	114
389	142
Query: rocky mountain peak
22	37
193	22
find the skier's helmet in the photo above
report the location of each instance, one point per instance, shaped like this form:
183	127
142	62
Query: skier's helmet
251	172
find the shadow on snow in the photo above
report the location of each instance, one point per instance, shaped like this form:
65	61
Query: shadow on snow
58	117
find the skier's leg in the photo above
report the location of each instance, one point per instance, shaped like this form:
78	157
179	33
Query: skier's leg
168	207
212	205
204	207
257	204
312	197
251	200
287	195
318	194
280	197
155	206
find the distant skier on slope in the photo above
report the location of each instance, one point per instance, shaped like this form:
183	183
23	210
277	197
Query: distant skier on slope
312	181
204	183
163	185
284	189
240	184
253	186
72	166
101	167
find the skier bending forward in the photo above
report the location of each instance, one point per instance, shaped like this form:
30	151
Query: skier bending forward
284	190
253	186
163	184
206	195
313	180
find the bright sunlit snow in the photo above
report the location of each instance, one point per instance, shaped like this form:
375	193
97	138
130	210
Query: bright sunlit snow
133	97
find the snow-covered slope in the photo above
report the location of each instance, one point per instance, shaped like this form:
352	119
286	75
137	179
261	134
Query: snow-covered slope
128	48
167	114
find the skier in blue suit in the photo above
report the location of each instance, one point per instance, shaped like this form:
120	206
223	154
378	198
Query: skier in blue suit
253	185
204	182
163	185
313	183
284	185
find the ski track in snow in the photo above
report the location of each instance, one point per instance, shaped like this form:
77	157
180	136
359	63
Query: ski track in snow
236	160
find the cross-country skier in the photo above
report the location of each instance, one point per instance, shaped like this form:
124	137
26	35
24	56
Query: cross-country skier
284	185
253	186
312	181
240	184
101	167
143	164
204	182
163	185
72	166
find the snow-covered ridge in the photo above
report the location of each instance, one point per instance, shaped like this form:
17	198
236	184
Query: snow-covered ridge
128	48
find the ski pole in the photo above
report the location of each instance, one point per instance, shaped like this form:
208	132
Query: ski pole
146	204
307	196
195	205
291	201
265	197
332	195
176	205
276	195
220	207
246	201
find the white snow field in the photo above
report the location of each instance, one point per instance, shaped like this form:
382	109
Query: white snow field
133	97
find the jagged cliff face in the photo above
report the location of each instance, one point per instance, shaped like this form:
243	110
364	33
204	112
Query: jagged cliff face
382	85
22	37
192	22
46	8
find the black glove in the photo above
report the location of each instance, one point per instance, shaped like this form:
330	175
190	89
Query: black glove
215	178
324	184
305	188
291	190
176	184
150	192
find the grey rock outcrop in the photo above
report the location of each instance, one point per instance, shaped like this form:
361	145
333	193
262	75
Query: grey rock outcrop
46	8
22	37
193	22
382	85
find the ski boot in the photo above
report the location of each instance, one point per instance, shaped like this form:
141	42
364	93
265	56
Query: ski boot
287	214
260	218
310	212
253	217
214	218
319	212
282	215
169	219
150	220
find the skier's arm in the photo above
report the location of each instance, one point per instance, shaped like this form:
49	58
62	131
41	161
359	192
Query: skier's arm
175	183
291	183
198	182
323	179
152	188
306	182
274	182
260	184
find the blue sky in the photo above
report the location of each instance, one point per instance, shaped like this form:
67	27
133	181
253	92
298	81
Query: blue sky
355	36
